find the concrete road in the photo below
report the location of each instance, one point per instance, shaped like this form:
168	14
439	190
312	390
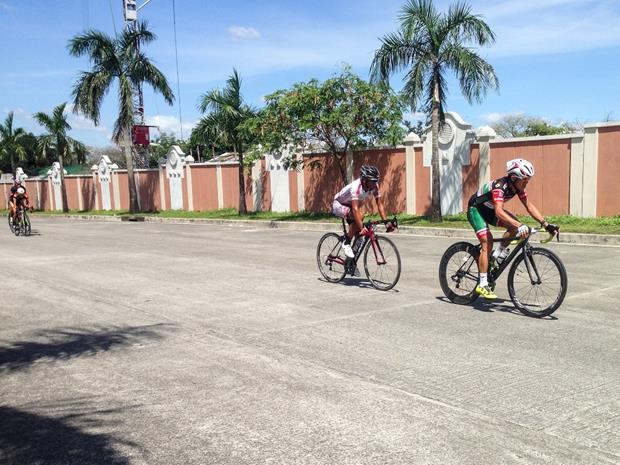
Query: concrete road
129	343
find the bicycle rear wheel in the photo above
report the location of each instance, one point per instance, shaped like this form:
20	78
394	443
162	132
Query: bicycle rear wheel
330	257
458	273
532	298
383	264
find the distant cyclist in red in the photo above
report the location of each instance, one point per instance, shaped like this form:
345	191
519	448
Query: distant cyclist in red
17	197
487	207
347	204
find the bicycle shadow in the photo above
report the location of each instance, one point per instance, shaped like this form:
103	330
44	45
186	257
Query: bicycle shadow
496	305
351	281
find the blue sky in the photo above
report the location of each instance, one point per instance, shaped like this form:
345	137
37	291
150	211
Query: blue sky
558	59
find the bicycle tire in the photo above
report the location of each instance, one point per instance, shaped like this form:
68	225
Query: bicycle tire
455	265
11	227
383	276
330	257
27	225
524	303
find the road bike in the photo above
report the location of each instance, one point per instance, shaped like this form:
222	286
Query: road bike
21	226
381	258
537	279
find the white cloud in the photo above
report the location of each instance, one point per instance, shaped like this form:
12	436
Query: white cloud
492	118
240	32
170	124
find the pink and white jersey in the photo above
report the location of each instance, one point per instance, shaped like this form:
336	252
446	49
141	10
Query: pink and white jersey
355	191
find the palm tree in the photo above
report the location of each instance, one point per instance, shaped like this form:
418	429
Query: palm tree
428	44
57	139
226	117
120	59
12	142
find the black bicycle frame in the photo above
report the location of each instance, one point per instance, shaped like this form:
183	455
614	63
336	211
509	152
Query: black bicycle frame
522	247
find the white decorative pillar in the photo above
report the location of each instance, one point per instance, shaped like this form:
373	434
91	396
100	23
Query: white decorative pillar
301	185
79	193
220	187
56	182
590	170
175	160
105	170
576	176
94	169
485	135
162	191
410	143
20	175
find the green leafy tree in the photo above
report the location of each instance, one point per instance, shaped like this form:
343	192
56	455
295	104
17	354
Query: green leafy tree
341	113
520	125
226	118
161	146
207	137
11	143
57	139
428	45
118	59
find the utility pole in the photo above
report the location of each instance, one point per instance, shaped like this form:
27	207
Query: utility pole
140	132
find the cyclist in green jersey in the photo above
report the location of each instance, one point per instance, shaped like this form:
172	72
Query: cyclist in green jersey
487	207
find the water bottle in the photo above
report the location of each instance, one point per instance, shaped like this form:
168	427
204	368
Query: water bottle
358	244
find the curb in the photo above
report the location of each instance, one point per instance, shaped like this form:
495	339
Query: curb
565	238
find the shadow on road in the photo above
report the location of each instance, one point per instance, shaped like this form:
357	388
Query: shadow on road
65	344
356	282
490	306
70	439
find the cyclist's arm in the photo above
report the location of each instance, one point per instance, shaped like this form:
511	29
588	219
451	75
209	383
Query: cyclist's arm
357	214
533	211
381	208
504	217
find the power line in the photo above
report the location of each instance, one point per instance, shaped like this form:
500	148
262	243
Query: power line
112	14
176	55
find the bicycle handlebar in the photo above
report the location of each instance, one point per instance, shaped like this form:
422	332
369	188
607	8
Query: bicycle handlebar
393	220
517	239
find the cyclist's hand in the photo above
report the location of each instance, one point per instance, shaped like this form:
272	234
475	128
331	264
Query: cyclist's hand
389	227
552	229
364	231
523	231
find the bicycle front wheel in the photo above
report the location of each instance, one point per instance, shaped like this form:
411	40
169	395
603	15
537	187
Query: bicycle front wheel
11	227
537	283
330	257
458	273
382	265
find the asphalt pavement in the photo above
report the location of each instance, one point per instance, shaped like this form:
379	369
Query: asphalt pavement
157	343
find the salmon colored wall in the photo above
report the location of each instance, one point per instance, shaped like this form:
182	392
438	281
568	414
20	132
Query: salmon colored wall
204	187
471	175
124	191
99	203
549	188
608	171
230	184
148	186
72	197
292	191
392	166
46	202
88	193
422	184
321	183
266	182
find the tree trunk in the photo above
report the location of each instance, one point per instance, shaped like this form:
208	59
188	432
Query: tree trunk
436	187
134	207
63	186
13	164
343	169
242	207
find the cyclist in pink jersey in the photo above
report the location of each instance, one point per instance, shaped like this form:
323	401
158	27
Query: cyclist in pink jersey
347	201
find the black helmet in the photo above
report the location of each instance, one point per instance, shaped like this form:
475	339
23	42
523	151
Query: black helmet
369	172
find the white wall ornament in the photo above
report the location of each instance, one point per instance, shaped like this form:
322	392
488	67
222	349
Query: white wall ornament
455	139
277	165
56	182
175	162
104	172
20	175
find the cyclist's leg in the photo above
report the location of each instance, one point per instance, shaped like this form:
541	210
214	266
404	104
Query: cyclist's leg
13	210
511	231
344	211
479	223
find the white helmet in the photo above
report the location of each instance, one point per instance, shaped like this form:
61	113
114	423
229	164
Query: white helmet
520	168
